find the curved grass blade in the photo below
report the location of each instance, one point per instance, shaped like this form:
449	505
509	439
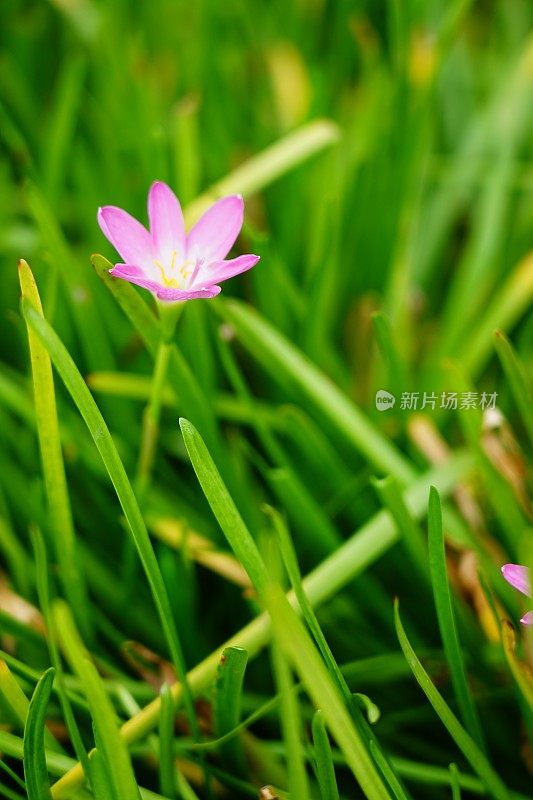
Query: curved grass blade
287	626
227	702
446	619
325	770
106	447
132	304
11	692
394	783
18	703
52	462
390	494
223	506
35	772
462	739
290	561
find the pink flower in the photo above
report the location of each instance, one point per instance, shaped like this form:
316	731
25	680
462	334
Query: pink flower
170	263
518	577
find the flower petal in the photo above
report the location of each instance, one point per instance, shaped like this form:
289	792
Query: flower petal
527	619
518	577
166	223
128	236
214	234
169	294
136	275
222	270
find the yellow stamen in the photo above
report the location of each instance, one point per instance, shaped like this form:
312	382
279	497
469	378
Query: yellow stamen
183	272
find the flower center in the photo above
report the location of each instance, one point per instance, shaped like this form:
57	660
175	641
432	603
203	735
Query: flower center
175	277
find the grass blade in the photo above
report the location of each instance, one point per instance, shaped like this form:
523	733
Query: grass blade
43	592
167	769
290	561
114	751
100	784
446	618
390	494
325	769
52	462
455	782
291	726
392	779
130	301
462	739
288	628
35	772
106	447
227	703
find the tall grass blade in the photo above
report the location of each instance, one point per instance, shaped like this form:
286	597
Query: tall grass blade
446	618
52	462
108	452
291	726
325	769
35	771
288	629
167	768
462	739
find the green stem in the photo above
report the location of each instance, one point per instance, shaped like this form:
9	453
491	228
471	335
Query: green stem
169	316
151	417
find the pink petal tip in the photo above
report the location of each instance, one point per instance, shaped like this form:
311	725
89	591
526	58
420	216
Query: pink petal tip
517	576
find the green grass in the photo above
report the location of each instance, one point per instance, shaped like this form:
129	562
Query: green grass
222	568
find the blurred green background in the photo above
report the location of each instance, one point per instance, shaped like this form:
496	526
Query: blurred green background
415	200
